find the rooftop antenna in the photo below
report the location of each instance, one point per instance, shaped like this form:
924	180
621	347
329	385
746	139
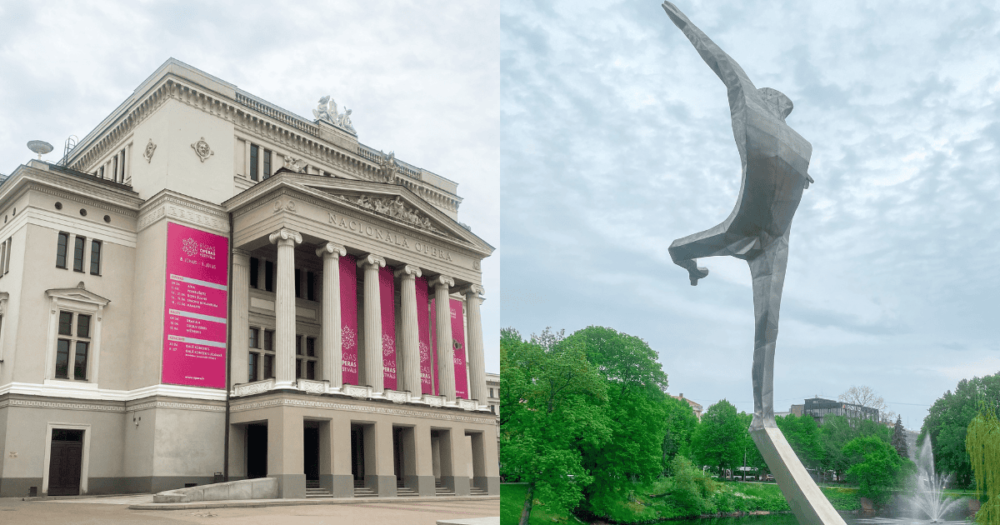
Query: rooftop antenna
70	144
40	147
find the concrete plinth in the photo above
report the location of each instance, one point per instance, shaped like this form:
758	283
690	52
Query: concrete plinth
808	503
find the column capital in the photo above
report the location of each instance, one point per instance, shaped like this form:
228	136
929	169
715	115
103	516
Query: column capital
408	271
443	280
286	235
473	289
331	249
371	260
241	257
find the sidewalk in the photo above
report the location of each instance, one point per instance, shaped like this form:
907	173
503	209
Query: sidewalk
258	503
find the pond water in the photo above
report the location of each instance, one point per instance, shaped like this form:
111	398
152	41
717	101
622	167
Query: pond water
789	519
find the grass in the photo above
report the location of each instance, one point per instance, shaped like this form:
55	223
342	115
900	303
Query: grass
512	502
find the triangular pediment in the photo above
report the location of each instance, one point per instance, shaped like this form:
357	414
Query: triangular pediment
77	294
397	204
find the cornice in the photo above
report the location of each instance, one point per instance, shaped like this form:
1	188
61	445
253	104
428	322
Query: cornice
351	407
168	204
70	187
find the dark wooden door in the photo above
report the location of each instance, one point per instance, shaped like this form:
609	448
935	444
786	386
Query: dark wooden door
65	460
310	453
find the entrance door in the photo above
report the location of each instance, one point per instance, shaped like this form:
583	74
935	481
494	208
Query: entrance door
256	451
311	453
358	453
397	455
65	460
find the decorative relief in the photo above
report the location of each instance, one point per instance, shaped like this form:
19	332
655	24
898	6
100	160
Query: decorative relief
61	406
388	167
179	406
202	149
327	112
295	165
394	209
434	401
397	397
286	206
312	387
150	149
307	403
466	404
257	387
355	391
476	265
183	214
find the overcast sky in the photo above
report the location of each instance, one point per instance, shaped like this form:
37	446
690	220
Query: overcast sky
422	79
617	139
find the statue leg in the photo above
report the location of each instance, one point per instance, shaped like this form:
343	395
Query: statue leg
714	242
768	272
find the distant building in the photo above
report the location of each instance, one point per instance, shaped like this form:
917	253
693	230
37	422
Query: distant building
820	408
694	406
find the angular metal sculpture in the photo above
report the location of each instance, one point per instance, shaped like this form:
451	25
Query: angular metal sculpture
775	161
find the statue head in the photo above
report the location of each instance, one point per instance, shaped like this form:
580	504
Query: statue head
776	101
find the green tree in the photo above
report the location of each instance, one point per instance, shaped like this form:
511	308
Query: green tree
947	424
899	439
718	441
681	423
837	431
751	456
803	435
552	405
876	467
982	442
636	411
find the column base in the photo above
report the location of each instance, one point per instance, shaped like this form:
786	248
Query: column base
424	485
491	485
384	486
808	503
291	486
459	484
340	485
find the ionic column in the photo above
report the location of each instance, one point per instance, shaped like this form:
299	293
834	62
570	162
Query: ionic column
477	360
284	310
410	337
372	375
445	352
332	349
240	328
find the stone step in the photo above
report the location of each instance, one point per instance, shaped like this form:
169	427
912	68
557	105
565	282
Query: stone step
404	492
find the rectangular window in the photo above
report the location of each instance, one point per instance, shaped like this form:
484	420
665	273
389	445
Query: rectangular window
252	366
268	367
254	341
3	256
298	282
62	359
311	346
101	175
298	368
114	171
78	247
269	340
65	323
298	345
123	166
95	257
254	175
10	248
268	276
80	361
83	326
310	286
254	264
311	370
267	163
61	250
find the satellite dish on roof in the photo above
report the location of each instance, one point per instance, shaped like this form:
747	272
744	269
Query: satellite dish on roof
40	147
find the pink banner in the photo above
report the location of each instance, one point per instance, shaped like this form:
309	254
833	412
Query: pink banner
195	312
434	348
458	345
424	336
349	318
387	294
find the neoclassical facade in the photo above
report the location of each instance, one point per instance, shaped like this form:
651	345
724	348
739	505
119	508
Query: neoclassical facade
208	285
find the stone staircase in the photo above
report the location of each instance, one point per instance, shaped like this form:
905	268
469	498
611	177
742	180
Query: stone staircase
477	491
441	490
403	491
313	490
361	491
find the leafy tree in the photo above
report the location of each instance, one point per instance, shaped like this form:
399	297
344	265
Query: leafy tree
983	445
552	405
837	431
719	440
681	423
947	424
636	412
751	455
877	468
803	435
899	439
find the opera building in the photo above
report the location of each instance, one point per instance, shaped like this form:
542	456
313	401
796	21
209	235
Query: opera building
208	286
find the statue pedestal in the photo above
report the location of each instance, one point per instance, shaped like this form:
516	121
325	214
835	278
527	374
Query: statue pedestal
808	503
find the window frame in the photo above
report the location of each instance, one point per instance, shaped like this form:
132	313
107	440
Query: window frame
65	248
254	168
99	245
76	301
73	341
81	241
267	165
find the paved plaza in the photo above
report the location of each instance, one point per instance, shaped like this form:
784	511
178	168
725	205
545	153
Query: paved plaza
114	510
